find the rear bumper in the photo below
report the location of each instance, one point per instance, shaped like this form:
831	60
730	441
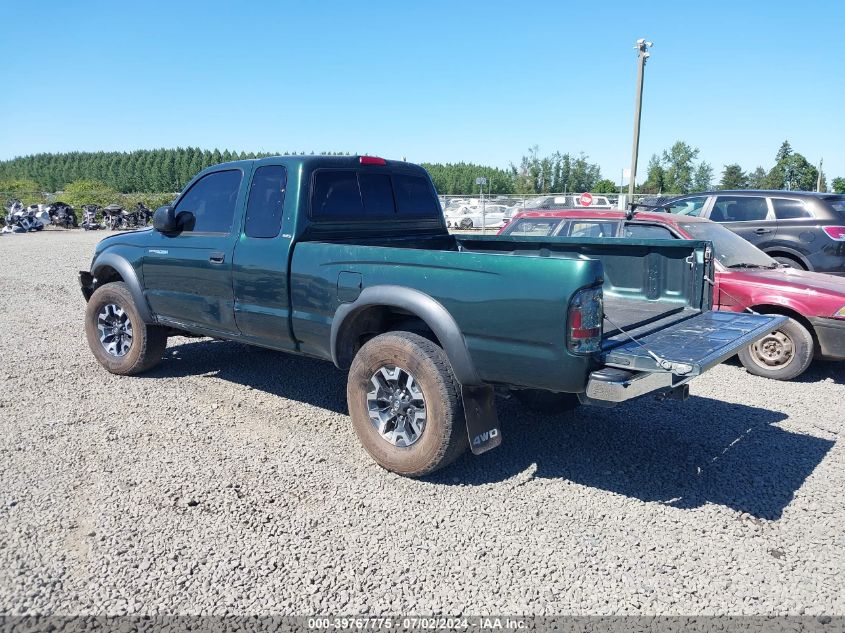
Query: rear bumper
610	386
830	334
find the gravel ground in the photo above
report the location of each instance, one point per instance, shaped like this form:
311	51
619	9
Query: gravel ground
229	480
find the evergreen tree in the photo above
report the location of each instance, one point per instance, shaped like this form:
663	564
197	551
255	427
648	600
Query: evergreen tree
733	177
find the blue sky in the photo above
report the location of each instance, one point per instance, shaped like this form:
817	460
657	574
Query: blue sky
428	80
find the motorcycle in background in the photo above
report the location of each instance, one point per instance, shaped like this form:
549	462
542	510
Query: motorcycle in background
144	214
113	216
89	217
20	219
39	213
62	214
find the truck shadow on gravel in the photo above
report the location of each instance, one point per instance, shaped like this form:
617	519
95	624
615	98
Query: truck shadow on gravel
683	454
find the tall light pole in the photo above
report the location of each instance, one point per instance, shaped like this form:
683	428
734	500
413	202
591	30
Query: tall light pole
641	47
481	181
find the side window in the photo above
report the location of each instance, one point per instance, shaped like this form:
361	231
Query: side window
648	231
790	209
739	209
336	195
266	199
211	200
592	228
687	206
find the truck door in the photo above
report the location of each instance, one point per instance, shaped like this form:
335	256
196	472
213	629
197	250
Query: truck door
188	274
260	272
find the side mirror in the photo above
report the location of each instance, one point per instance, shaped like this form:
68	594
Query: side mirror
164	220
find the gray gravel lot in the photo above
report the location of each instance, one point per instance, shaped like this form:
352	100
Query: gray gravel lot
229	480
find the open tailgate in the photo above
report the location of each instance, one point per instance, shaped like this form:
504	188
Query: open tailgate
693	345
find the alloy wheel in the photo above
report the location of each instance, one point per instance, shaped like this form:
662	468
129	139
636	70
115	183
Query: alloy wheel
397	406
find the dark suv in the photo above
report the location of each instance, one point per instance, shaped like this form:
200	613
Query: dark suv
799	229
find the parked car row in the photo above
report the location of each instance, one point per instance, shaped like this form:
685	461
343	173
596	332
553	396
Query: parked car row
464	213
745	277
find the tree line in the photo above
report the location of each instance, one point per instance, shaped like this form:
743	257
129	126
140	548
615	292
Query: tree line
153	176
677	170
168	170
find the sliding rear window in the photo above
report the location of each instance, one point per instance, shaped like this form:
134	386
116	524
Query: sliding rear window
350	195
414	196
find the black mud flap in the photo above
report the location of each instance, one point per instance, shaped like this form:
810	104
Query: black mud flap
86	283
482	421
692	346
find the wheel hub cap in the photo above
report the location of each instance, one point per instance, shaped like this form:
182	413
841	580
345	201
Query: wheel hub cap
774	350
396	406
115	330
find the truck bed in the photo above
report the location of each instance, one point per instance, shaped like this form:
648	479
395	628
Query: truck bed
648	284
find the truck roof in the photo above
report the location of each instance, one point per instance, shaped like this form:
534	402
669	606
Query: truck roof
320	160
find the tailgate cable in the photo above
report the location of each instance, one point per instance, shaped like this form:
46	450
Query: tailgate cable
729	295
668	365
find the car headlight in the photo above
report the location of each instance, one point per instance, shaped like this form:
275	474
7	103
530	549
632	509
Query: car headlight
840	313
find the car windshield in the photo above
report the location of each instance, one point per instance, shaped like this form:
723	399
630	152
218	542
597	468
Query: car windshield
533	227
730	249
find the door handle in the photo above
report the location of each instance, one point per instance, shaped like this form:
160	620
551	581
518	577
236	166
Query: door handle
762	231
217	257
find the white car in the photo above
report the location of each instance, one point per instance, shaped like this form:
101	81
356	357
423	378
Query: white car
474	217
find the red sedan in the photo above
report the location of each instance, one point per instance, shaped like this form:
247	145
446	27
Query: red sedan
745	278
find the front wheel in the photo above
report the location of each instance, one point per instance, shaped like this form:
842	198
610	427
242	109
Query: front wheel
782	355
118	337
790	262
466	223
405	404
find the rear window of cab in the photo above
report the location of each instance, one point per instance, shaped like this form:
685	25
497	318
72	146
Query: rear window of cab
357	195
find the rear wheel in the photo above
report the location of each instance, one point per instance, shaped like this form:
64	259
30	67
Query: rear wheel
405	404
782	354
466	223
791	262
546	401
118	337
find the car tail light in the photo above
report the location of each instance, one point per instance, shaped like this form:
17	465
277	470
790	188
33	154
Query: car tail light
371	160
840	313
584	321
835	232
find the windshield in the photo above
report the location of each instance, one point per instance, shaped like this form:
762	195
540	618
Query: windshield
536	227
730	249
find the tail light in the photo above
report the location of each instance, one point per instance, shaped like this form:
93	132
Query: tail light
584	321
371	160
835	232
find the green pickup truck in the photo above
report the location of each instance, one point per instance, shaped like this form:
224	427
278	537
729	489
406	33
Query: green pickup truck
348	259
